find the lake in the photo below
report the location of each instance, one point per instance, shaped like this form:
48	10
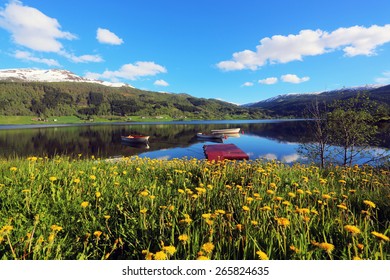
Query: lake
269	139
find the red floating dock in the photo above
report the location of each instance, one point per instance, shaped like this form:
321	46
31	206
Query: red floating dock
224	151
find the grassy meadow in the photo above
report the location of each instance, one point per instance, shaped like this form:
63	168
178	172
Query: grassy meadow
187	209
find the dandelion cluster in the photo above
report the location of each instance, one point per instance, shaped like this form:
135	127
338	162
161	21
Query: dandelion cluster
190	209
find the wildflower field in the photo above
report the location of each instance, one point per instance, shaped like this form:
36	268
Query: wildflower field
186	209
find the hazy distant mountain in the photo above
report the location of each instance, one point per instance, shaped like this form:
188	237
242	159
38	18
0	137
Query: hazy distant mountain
51	75
295	104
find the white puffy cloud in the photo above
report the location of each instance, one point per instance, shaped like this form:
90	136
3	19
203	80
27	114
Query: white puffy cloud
105	36
269	81
161	83
294	79
30	57
385	79
355	40
130	71
290	158
32	29
247	84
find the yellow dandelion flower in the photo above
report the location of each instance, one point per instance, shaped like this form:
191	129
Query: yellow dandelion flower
161	255
352	229
283	222
13	168
52	178
272	185
326	246
245	208
98	194
206	216
254	223
97	233
369	203
265	208
302	210
203	258
270	192
183	237
291	194
144	193
51	237
220	211
208	247
84	204
262	256
342	182
170	250
380	236
295	249
107	217
326	196
6	229
56	228
152	196
239	227
143	211
356	258
342	206
92	177
299	191
360	246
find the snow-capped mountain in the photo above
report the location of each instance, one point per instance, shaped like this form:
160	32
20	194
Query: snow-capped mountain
51	75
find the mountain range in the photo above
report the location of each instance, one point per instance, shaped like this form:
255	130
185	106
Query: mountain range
294	105
56	91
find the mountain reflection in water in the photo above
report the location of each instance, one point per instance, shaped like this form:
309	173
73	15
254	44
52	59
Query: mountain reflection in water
271	139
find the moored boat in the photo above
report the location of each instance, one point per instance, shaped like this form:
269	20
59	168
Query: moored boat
226	130
209	136
135	138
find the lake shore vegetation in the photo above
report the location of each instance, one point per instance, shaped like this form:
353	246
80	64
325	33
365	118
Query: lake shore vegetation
186	209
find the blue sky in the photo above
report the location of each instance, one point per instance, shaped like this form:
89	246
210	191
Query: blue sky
237	51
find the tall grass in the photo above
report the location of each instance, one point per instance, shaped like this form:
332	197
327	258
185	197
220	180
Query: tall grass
187	209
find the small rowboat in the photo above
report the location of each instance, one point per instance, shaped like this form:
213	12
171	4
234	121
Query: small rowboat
211	136
135	138
226	131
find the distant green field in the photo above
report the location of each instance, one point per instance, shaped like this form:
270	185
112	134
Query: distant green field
75	119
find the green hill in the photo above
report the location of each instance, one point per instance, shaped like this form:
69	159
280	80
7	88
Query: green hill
44	99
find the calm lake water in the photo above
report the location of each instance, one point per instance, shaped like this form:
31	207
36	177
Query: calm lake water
270	139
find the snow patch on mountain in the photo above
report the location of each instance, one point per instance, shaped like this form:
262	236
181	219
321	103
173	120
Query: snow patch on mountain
51	75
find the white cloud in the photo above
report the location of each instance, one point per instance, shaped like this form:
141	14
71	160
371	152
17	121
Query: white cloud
29	57
385	79
294	79
247	84
105	36
290	158
161	83
269	156
130	71
269	81
82	58
356	40
32	29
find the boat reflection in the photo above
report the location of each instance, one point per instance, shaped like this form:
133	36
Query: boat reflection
136	145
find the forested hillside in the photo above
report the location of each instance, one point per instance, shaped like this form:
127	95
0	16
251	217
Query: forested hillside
295	105
43	99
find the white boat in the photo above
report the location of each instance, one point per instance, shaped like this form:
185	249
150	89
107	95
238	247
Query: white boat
226	131
135	138
209	136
